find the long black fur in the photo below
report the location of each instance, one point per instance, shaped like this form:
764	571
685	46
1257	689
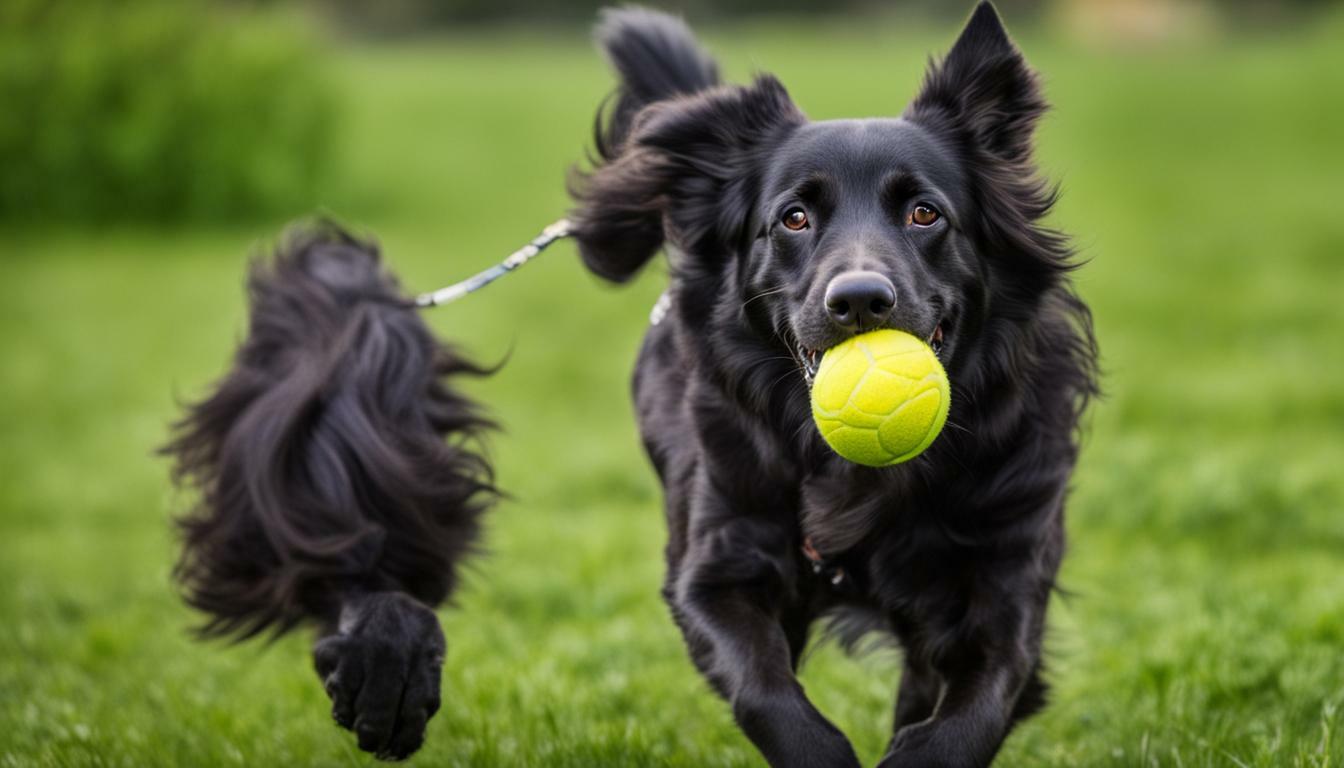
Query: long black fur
337	475
955	553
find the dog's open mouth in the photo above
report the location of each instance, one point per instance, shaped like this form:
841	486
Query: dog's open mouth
810	359
936	340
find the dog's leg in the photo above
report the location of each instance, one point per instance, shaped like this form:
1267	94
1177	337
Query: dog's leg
380	665
917	695
728	600
987	670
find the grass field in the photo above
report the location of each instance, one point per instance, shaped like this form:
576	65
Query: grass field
1205	620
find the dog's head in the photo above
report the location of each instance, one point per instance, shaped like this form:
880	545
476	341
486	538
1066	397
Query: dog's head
924	222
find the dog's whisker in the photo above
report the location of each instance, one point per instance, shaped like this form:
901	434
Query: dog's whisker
959	427
771	389
798	432
763	294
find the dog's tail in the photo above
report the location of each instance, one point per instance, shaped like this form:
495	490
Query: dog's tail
334	456
656	57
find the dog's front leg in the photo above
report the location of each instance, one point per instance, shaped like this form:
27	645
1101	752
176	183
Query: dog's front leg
380	663
727	600
988	672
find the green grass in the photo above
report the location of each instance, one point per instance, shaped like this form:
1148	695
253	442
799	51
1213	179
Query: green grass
1205	621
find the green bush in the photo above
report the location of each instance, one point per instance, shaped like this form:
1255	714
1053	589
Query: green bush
158	110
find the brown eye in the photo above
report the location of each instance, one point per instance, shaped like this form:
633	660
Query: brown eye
795	219
923	215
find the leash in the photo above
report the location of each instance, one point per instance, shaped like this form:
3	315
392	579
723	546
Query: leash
448	294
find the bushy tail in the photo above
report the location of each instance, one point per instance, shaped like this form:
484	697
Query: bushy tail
656	57
334	456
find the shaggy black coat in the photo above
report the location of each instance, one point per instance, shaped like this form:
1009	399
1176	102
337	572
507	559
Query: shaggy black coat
955	553
337	483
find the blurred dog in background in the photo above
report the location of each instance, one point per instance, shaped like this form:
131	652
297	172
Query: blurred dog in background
337	482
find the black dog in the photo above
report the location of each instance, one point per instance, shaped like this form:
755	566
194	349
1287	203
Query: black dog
327	490
785	237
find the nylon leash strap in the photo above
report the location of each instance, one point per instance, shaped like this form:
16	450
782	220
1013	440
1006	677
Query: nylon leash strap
448	294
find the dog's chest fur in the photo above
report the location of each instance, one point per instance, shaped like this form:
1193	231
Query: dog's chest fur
887	531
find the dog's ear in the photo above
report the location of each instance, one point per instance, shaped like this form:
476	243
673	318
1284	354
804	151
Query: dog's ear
687	172
983	90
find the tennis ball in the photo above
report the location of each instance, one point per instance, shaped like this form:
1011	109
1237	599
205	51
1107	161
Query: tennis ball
880	398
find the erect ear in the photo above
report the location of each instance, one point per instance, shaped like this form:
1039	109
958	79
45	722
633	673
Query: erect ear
687	173
983	89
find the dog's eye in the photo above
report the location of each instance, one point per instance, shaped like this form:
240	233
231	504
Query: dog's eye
924	215
795	219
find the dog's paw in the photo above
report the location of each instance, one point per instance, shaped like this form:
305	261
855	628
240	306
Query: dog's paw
935	744
381	669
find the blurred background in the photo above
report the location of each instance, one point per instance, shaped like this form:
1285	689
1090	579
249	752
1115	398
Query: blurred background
149	147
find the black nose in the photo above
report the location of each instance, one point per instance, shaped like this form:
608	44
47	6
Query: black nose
859	300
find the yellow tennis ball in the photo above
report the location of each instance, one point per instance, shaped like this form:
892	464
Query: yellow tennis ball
880	398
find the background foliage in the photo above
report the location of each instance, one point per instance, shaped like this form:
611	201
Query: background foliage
162	110
1204	622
